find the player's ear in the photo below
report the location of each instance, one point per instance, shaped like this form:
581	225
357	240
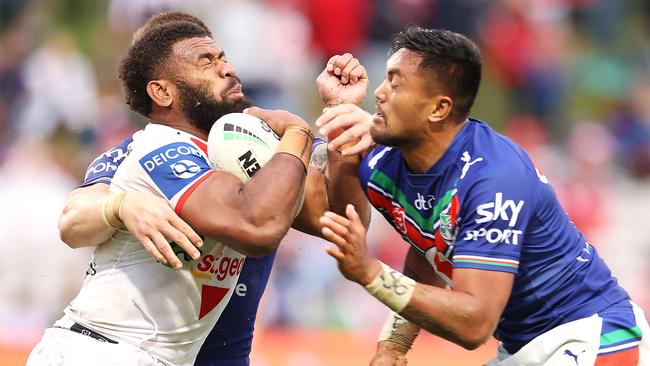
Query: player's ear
440	108
161	92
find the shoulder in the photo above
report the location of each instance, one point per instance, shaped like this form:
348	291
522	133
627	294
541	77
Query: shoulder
491	164
489	155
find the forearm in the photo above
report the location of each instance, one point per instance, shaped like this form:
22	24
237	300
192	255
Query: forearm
456	316
250	217
81	223
449	314
343	186
284	176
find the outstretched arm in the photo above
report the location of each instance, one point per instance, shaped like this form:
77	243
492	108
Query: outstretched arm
466	315
149	218
332	180
398	334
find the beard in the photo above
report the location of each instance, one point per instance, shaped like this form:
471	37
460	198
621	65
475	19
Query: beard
384	138
202	109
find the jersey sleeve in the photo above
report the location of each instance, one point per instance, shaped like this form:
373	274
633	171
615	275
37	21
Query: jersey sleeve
496	211
175	170
103	168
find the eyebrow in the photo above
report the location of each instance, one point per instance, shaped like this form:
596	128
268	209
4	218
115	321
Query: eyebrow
210	55
394	72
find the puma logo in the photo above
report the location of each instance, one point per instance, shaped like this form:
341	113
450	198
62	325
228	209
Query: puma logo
575	357
467	159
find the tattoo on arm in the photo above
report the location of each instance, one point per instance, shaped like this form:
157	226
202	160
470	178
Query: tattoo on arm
319	158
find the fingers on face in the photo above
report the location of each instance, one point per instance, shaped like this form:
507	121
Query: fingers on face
364	144
340	116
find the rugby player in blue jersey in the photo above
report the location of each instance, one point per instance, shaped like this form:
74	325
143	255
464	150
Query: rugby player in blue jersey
491	253
151	219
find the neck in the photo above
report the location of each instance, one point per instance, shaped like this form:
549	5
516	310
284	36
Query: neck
178	121
422	154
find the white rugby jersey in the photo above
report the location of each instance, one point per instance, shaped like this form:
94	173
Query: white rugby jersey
127	295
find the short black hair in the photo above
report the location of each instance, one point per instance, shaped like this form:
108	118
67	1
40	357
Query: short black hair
454	59
169	16
149	58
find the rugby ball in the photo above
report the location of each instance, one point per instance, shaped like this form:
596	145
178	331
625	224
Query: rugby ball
241	144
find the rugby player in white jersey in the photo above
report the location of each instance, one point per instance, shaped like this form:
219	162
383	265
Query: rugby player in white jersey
132	310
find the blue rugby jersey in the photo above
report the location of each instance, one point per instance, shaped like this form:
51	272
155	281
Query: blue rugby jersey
229	342
485	205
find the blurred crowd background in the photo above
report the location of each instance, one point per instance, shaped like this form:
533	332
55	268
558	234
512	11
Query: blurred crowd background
569	80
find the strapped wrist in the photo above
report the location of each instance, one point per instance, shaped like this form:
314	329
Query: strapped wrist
297	141
111	209
398	330
392	287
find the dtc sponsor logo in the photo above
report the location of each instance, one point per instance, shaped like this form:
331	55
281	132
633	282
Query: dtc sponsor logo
506	210
424	203
168	153
185	169
221	266
494	235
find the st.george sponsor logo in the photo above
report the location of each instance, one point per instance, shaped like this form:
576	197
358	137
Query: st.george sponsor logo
494	235
220	266
506	210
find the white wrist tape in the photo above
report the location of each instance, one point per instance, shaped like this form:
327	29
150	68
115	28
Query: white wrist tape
392	288
398	330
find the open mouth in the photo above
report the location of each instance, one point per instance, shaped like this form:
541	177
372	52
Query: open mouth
378	117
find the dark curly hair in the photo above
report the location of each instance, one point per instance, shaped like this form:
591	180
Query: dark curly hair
169	16
150	57
455	60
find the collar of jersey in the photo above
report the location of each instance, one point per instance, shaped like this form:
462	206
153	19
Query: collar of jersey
152	125
448	157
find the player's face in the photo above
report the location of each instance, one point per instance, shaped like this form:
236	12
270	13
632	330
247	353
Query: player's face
207	86
200	60
402	101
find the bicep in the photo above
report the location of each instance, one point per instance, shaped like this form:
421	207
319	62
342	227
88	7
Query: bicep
213	204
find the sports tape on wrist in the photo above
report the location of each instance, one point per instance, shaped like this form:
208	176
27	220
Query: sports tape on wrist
111	209
398	330
392	288
297	141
